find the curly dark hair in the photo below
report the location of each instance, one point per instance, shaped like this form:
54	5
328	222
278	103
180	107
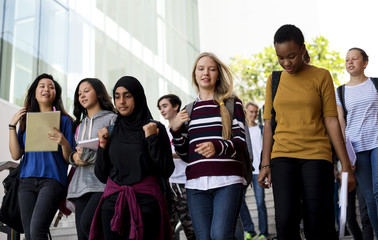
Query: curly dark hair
289	32
104	99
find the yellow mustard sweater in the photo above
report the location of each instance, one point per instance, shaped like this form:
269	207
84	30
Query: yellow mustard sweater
302	101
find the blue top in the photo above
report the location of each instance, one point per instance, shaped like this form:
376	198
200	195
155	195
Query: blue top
48	164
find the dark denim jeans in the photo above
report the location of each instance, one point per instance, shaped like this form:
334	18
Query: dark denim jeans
85	207
214	212
39	200
367	177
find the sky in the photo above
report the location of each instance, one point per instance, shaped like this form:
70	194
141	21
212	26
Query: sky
245	27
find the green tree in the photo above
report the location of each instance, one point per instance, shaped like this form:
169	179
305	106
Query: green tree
252	73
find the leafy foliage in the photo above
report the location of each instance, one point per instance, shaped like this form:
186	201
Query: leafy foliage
252	73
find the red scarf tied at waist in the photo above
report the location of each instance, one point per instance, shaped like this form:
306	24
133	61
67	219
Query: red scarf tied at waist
150	186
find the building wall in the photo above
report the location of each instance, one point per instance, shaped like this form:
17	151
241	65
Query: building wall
154	40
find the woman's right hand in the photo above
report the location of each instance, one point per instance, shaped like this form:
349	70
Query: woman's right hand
77	157
17	116
264	178
180	118
103	136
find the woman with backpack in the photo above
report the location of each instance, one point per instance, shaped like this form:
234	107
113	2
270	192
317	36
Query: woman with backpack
93	111
134	159
43	176
357	105
212	144
297	156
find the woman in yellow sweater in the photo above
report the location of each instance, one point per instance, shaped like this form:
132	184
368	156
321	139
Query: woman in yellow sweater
297	158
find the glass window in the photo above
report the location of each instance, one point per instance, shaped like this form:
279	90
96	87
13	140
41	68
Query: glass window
19	49
63	2
53	40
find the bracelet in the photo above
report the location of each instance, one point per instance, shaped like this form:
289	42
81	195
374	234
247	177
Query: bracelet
265	166
12	126
99	142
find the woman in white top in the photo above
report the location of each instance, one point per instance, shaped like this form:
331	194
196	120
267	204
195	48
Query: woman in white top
360	126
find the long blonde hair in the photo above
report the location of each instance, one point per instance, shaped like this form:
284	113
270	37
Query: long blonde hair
223	91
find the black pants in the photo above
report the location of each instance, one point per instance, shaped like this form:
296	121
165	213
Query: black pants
352	217
85	207
39	200
150	217
303	189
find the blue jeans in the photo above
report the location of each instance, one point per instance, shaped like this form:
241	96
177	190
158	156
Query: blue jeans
214	212
367	177
39	200
261	210
239	231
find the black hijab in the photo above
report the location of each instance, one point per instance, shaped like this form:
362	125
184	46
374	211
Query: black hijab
129	129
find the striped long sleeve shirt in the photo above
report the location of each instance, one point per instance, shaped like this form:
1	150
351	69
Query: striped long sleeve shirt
206	126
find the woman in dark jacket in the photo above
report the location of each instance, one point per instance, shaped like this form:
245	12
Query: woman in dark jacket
133	157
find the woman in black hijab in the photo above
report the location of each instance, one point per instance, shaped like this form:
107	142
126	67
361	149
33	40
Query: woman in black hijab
132	158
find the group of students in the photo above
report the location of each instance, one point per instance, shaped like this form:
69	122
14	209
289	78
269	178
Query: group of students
120	191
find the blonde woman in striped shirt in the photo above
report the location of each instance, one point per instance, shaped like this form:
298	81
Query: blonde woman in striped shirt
211	145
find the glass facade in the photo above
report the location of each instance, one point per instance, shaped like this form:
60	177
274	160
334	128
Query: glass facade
156	41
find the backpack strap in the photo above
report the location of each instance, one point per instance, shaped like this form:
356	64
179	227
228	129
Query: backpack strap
276	76
341	95
375	82
230	105
189	109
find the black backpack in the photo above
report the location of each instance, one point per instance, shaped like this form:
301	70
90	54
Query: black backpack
10	209
341	94
276	76
245	157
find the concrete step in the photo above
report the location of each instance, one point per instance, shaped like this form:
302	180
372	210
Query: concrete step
66	229
63	233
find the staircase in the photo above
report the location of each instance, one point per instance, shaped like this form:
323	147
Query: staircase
66	229
251	203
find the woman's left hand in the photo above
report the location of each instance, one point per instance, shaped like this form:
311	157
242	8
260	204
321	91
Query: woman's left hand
351	179
206	149
150	129
57	137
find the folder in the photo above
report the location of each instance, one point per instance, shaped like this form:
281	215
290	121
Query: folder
38	126
343	203
90	143
350	150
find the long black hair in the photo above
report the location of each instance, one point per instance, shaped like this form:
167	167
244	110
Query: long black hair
103	97
31	103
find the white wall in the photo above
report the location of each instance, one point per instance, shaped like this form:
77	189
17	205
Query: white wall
7	111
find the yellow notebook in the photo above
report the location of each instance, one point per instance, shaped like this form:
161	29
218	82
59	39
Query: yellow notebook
38	126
